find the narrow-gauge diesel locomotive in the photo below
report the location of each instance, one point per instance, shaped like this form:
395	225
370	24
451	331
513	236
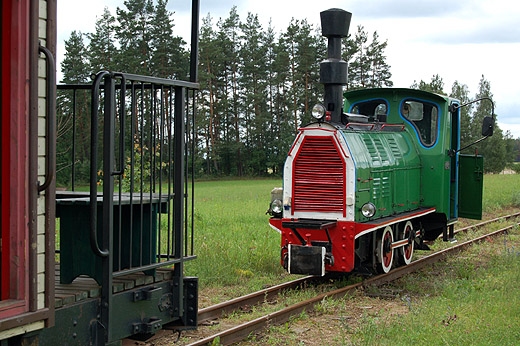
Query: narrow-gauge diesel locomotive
374	176
104	261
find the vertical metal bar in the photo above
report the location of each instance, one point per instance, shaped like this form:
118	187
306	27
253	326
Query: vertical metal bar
194	77
121	169
179	174
141	170
194	54
169	250
178	185
153	167
162	146
108	210
186	174
132	140
193	117
73	154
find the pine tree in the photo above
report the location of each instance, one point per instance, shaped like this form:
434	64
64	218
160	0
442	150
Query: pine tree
359	65
74	66
379	75
101	49
510	147
134	35
210	62
70	117
282	119
228	38
349	51
253	84
483	108
436	85
169	58
367	65
307	70
290	42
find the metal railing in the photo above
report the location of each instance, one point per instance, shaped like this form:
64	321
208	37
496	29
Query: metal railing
133	134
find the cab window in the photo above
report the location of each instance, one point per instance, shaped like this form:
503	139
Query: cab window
424	117
374	109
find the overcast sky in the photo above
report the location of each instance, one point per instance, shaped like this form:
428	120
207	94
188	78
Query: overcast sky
460	40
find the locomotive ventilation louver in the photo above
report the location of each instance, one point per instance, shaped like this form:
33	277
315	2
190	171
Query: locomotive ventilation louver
319	187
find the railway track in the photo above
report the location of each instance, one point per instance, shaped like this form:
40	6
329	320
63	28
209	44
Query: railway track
240	332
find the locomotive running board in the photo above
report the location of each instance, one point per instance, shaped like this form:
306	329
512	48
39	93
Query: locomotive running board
387	221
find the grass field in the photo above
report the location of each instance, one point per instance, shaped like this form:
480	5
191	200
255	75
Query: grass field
473	300
235	246
501	191
237	249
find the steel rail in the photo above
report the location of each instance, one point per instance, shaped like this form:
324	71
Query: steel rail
483	223
240	332
216	311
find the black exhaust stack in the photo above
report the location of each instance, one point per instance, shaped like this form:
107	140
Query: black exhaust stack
333	71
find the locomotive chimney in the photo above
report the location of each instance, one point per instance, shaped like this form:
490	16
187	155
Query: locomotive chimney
333	71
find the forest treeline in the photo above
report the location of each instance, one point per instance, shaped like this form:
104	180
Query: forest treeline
257	86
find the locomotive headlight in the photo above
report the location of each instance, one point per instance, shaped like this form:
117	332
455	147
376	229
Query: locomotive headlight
318	111
368	209
276	207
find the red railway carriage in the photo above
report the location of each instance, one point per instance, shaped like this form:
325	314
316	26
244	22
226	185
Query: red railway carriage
114	267
23	290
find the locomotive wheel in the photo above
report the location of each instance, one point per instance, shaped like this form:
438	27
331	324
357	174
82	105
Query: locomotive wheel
385	252
406	252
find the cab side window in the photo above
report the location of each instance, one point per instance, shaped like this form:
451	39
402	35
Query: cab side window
424	117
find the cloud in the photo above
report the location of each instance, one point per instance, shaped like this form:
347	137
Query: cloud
216	8
481	31
399	9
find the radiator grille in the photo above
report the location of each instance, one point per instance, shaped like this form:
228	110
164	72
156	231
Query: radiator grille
319	177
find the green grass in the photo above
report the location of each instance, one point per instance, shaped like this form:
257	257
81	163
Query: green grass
474	300
501	191
233	241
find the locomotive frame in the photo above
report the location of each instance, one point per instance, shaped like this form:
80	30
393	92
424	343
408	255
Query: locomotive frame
121	252
379	172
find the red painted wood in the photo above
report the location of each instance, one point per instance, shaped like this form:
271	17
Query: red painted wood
5	147
15	66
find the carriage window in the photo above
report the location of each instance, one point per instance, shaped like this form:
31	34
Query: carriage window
424	117
374	109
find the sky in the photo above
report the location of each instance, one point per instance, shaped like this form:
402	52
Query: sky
460	40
